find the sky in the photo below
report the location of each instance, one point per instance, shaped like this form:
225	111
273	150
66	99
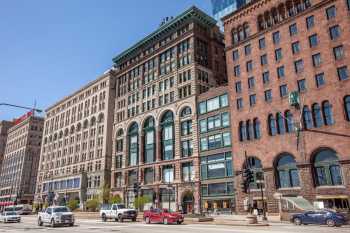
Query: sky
49	49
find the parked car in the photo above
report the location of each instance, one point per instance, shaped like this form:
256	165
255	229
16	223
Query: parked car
162	216
20	209
56	215
118	212
9	216
322	217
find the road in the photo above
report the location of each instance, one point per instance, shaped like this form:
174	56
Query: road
29	225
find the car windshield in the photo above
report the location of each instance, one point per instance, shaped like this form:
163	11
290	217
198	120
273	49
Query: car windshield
10	213
120	206
61	209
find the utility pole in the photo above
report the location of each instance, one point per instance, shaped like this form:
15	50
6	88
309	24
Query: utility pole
34	109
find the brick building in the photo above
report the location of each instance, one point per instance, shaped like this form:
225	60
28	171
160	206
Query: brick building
20	164
4	127
273	48
155	122
76	151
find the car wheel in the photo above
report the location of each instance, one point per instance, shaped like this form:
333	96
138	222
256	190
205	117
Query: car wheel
53	223
104	218
134	219
165	221
179	222
147	220
71	224
330	222
120	218
116	219
297	221
40	223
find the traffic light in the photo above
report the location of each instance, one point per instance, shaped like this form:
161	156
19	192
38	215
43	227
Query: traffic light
136	188
248	175
244	186
294	99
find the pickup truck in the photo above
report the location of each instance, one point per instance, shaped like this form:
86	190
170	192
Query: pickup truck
118	212
56	215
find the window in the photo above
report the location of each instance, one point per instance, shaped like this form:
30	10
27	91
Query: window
280	72
186	148
301	85
235	55
348	3
168	174
187	172
251	82
167	131
289	121
343	73
347	107
278	54
266	77
268	95
299	66
272	125
334	32
217	189
148	176
280	123
257	132
327	113
149	140
186	112
133	144
215	141
249	66
239	103
307	118
263	60
213	104
252	100
242	131
317	115
331	12
313	40
310	22
238	86
283	90
247	50
287	172
216	166
276	37
327	169
293	29
262	43
338	52
319	78
237	71
316	60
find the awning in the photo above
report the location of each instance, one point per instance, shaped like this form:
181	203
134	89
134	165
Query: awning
332	197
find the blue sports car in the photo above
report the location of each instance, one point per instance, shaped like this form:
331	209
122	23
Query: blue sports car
321	217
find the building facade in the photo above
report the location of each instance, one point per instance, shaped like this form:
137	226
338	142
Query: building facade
215	150
76	151
4	127
274	48
155	122
21	158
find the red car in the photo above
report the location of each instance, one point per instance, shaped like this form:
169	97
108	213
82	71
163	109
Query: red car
162	216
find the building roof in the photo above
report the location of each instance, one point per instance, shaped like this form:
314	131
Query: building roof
191	13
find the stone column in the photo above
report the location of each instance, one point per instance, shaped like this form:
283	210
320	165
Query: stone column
158	144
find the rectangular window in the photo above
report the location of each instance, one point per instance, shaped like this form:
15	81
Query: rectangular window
216	166
213	104
266	77
203	126
252	100
338	52
237	71
239	103
202	107
262	43
235	55
299	66
280	72
343	73
283	90
187	172
295	47
310	22
348	3
268	95
302	85
331	12
249	66
238	87
263	60
168	174
247	50
313	40
276	37
316	60
319	79
251	82
334	32
186	127
293	30
278	54
186	148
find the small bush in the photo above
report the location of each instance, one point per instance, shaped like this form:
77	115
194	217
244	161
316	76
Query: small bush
73	204
92	205
115	199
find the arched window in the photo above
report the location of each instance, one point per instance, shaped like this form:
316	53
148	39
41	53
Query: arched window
250	130
100	118
85	124
78	127
167	125
92	121
133	136
281	129
289	121
347	107
307	118
317	115
120	133
72	129
246	30
186	111
257	133
242	131
272	125
149	140
255	165
287	171
234	36
240	33
327	113
327	169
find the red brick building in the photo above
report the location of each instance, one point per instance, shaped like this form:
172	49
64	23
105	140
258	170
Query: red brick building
273	48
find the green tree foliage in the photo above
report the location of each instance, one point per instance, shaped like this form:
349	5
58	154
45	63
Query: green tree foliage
73	204
140	202
115	199
92	204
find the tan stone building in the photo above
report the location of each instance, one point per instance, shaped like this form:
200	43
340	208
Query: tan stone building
273	48
76	151
21	159
4	127
155	135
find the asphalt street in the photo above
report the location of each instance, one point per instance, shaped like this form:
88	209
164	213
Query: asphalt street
29	225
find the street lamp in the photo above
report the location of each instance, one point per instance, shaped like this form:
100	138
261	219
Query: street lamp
23	107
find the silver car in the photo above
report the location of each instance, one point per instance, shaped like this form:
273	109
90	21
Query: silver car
10	216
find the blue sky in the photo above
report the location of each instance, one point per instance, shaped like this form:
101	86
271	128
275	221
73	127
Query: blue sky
49	49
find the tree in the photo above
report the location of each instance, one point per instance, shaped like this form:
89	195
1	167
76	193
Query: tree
140	202
105	193
73	204
114	199
92	204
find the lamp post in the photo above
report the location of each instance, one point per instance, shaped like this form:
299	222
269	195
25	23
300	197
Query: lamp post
260	182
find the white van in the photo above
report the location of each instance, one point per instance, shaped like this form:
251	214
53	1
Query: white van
19	209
